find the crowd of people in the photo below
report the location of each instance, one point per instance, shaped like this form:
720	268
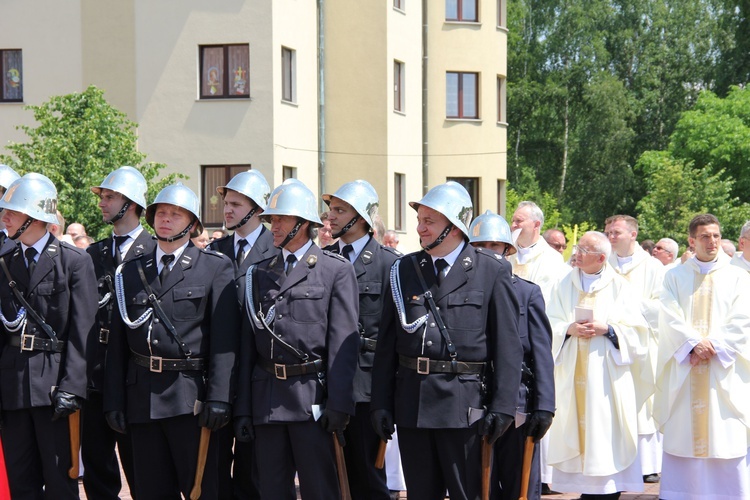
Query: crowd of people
242	364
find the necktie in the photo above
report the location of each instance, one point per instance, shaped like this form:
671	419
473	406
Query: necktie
240	252
30	262
119	240
346	251
290	261
442	269
166	259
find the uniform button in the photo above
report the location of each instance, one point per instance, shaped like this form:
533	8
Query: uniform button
429	343
307	294
281	316
280	297
432	325
155	341
190	293
367	289
466	300
438	308
156	320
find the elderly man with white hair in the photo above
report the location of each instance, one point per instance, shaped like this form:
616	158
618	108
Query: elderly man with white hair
741	258
666	251
598	332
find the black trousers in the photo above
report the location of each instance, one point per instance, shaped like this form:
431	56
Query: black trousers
507	467
238	472
37	455
301	447
101	469
165	458
365	481
438	459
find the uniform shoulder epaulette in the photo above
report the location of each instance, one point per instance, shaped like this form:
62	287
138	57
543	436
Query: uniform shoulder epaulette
489	253
216	242
392	250
68	247
335	256
210	251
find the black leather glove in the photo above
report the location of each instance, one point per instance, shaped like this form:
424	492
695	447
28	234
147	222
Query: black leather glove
538	424
243	429
215	415
494	425
116	421
64	403
334	421
382	422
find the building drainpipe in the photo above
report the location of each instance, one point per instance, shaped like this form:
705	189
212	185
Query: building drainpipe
425	149
321	105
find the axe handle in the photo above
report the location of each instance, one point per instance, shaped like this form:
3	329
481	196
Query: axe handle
341	468
380	457
74	426
195	493
528	453
486	467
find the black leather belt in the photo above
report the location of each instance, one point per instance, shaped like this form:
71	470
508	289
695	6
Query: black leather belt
158	364
34	343
366	344
425	366
282	371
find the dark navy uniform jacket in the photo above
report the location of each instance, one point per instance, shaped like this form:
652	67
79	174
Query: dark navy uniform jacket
62	291
316	312
104	267
200	301
372	267
480	310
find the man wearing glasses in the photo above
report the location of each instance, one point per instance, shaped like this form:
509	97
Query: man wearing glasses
556	239
597	333
666	251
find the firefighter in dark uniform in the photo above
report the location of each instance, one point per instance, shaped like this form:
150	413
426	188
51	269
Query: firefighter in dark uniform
7	176
122	199
171	352
245	197
48	303
352	208
298	362
448	360
536	396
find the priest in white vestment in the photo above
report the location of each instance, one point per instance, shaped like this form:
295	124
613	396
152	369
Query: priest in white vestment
598	331
646	275
741	257
702	400
544	266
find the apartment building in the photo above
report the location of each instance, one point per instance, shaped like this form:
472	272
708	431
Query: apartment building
403	93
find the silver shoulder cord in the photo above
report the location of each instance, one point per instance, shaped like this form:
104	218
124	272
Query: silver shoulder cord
398	300
16	324
105	300
120	294
258	318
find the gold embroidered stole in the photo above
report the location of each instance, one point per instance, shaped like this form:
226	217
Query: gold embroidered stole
581	373
521	270
699	374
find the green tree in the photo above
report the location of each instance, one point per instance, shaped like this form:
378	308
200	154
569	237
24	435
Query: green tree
79	139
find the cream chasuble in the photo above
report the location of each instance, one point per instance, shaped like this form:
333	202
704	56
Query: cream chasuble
594	432
541	264
739	261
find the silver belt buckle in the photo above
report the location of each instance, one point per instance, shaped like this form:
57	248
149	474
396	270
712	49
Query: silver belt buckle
280	371
154	363
423	366
27	342
103	335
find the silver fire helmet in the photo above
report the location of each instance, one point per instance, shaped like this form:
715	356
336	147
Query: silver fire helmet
179	196
491	227
7	176
293	198
33	195
360	195
252	184
450	199
127	181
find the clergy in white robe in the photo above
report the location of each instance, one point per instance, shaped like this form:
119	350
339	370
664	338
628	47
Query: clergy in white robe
702	400
646	275
598	331
741	258
544	266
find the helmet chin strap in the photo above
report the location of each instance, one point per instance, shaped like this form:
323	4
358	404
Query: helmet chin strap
182	233
119	215
439	239
290	236
347	227
23	228
244	219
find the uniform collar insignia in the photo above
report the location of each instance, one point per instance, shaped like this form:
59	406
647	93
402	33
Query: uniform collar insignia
423	262
140	247
52	248
274	260
149	262
311	260
366	256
